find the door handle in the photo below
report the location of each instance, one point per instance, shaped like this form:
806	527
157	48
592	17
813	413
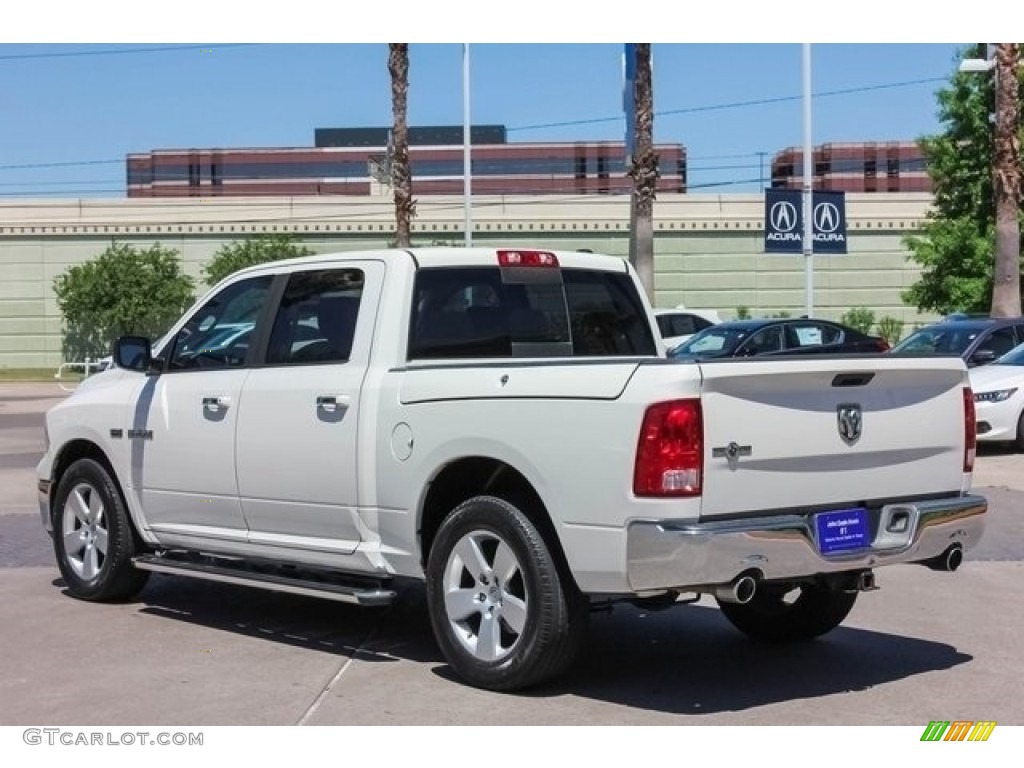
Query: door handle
331	403
216	403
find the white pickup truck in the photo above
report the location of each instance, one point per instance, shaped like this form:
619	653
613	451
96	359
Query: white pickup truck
503	425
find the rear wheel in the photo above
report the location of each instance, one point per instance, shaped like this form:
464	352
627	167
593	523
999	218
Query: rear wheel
503	616
790	613
92	536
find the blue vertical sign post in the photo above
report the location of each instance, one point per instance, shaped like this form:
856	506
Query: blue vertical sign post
628	97
784	221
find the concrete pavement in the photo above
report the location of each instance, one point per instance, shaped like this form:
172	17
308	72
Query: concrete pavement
925	646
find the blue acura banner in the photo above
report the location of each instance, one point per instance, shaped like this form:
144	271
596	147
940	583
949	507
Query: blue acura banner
784	221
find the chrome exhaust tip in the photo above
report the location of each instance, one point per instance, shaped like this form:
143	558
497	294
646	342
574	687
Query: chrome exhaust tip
954	558
949	561
741	590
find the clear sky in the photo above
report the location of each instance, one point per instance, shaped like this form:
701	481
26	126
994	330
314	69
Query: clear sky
72	111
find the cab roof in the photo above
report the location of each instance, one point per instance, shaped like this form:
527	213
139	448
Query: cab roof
447	257
488	257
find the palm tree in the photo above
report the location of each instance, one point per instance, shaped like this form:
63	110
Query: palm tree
644	173
1007	184
401	175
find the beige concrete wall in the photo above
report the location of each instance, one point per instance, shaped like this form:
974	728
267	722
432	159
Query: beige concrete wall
708	248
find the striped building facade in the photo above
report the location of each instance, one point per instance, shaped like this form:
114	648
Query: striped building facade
892	166
355	162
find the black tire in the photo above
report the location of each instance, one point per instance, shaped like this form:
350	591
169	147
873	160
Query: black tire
774	616
501	635
1019	442
89	513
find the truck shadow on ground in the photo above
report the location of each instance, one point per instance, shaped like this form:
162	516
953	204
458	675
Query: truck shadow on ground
690	660
294	620
685	660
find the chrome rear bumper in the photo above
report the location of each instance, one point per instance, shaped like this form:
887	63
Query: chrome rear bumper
673	555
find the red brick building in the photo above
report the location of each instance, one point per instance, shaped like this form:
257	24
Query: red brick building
892	166
354	161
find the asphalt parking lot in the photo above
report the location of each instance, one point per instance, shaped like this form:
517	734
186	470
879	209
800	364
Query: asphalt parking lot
925	646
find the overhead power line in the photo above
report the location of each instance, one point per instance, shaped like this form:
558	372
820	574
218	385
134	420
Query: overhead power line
65	164
736	104
118	51
516	197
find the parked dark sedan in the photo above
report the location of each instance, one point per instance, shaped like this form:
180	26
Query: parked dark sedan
796	335
978	340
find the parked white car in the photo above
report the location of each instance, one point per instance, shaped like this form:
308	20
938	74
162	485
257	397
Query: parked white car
999	398
679	324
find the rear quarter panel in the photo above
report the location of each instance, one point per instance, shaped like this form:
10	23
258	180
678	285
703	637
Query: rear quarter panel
576	450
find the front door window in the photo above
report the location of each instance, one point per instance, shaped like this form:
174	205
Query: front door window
218	335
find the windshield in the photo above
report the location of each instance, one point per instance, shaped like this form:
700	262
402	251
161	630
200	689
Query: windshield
946	340
712	342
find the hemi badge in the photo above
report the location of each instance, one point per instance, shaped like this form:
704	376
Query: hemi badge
117	434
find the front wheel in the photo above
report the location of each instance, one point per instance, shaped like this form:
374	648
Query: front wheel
92	537
791	613
502	614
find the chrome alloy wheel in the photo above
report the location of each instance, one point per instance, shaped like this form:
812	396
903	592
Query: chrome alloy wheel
85	531
485	595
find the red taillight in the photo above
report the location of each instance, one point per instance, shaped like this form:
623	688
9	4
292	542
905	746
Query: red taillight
527	259
882	345
970	431
670	451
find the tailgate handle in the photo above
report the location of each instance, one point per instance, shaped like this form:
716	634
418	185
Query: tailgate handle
852	379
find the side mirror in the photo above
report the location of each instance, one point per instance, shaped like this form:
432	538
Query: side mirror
983	357
133	353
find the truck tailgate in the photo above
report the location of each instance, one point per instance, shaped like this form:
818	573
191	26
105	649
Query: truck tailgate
787	433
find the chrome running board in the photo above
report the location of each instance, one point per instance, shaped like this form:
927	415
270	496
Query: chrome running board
316	583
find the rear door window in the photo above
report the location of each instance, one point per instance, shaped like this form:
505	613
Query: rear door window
316	320
687	325
811	334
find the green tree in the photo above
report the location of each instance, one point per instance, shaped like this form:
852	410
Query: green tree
248	253
956	245
891	329
859	318
124	290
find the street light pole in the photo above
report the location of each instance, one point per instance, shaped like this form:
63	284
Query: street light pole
808	188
